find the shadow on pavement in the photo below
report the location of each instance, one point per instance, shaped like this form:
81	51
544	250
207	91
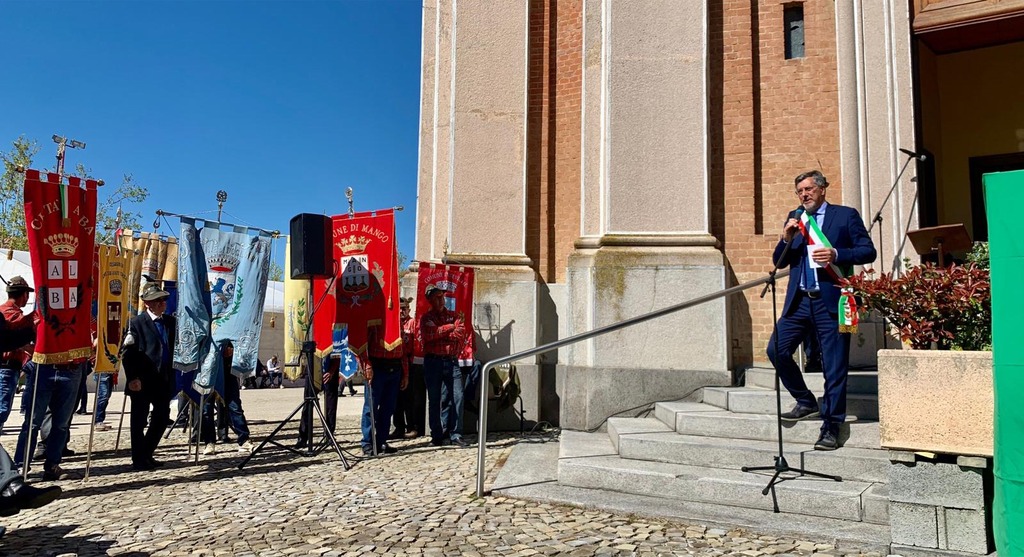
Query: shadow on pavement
55	540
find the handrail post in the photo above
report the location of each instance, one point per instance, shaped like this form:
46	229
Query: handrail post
481	449
485	372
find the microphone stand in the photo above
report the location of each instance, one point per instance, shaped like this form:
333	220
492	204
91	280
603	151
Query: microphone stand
881	243
780	466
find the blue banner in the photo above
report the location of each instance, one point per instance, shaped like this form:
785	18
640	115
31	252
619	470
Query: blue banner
222	284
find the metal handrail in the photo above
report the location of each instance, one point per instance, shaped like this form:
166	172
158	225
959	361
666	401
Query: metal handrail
484	373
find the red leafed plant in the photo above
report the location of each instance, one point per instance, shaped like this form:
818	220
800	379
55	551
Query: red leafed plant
950	308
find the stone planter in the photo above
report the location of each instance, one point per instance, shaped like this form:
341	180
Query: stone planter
936	400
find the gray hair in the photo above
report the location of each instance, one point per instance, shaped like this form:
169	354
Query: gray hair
819	178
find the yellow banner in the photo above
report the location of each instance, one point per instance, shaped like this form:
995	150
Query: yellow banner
156	256
112	305
296	316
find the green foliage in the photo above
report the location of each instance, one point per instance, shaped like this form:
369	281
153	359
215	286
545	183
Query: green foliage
12	198
948	308
979	255
276	272
129	192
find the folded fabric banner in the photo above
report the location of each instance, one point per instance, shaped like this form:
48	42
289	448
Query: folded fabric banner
222	284
365	290
111	305
296	318
156	257
60	223
456	281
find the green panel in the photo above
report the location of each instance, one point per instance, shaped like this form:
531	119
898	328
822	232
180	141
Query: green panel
1006	292
1004	198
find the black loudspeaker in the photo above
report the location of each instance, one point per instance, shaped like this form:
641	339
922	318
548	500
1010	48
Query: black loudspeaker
310	245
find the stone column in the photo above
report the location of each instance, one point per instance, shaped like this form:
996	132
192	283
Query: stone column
645	238
475	70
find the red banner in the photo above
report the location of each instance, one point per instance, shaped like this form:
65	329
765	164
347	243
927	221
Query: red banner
60	220
457	283
365	290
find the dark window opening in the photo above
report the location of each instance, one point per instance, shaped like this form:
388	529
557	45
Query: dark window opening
793	21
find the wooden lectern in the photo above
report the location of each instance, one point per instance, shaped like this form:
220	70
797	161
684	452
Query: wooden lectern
941	239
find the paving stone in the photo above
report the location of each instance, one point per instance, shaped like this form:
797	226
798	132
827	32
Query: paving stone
419	502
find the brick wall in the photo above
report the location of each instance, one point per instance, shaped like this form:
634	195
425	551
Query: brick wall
553	128
777	118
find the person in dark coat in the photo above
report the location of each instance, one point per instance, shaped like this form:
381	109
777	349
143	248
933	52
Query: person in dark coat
147	352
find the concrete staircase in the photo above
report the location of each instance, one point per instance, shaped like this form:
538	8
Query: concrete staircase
694	452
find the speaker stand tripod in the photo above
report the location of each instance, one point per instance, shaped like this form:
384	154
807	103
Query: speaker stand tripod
310	402
781	466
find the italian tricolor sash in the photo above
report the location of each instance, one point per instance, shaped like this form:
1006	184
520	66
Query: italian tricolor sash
847	303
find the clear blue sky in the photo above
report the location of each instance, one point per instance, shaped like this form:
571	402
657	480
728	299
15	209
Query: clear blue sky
281	104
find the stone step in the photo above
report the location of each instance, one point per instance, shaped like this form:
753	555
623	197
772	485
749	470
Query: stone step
722	423
531	471
747	400
858	382
851	463
803	495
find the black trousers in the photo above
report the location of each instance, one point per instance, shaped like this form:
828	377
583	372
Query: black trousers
330	408
411	412
145	439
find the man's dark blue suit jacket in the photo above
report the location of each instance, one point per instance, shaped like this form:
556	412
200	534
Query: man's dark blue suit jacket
845	231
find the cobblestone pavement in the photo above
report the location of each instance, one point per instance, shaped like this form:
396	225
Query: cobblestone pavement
417	502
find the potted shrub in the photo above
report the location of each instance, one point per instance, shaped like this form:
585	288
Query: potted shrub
938	395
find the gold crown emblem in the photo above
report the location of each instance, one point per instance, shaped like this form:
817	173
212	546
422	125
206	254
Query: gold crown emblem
63	245
353	244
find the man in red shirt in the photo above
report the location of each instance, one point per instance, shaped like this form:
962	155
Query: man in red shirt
19	332
443	333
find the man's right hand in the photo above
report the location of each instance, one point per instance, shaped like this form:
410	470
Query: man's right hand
135	385
790	229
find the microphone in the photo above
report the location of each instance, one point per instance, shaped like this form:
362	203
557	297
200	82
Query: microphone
917	156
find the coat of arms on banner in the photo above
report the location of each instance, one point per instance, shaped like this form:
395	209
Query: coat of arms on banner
222	268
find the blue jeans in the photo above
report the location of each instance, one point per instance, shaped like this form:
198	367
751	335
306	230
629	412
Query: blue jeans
104	384
444	397
383	389
56	389
8	384
233	408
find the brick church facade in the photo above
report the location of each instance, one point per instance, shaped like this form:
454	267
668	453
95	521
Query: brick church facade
600	159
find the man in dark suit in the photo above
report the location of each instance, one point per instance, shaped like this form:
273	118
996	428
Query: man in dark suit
812	301
146	355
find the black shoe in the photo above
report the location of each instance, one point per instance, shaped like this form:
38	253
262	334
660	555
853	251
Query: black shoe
142	466
300	444
460	442
800	412
367	451
81	412
154	462
68	452
826	442
341	394
387	449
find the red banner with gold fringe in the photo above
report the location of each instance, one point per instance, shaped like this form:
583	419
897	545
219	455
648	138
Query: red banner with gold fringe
456	281
364	291
60	221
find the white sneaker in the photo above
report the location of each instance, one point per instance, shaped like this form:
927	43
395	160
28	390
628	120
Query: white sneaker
246	447
210	449
102	426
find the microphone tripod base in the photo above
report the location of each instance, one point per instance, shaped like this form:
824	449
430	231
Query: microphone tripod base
781	467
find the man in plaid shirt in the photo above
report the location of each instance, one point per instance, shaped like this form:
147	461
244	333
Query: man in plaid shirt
443	333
